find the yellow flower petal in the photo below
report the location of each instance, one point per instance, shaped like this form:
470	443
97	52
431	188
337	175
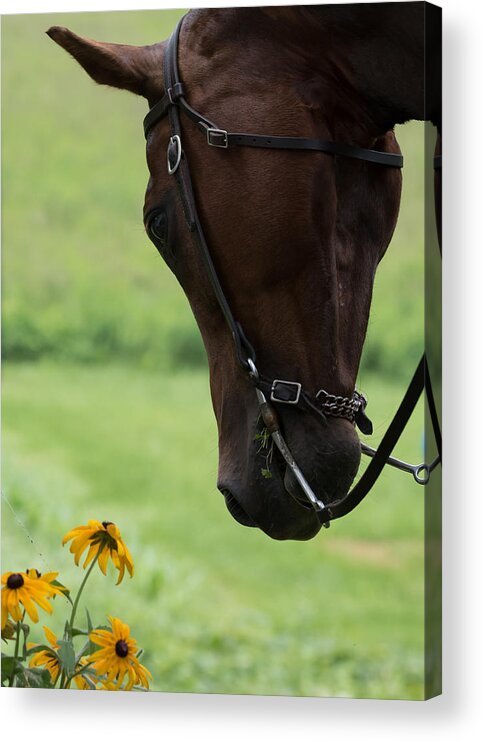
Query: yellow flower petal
113	531
29	606
79	544
43	603
103	558
50	636
93	549
121	573
4	608
49	576
73	533
13	605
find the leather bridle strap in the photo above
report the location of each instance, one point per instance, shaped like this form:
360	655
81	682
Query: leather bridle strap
223	139
216	137
182	175
419	382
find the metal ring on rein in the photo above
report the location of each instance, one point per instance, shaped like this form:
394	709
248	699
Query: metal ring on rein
253	373
417	474
174	141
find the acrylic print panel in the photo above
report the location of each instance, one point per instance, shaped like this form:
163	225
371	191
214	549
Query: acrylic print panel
167	474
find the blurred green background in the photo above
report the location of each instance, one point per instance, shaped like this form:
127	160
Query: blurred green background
107	411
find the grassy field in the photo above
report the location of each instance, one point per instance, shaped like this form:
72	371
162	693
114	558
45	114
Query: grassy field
107	412
218	607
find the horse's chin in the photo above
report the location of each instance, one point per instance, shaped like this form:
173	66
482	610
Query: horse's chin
270	497
290	518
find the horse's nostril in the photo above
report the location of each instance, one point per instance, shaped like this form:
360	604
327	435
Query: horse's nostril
236	510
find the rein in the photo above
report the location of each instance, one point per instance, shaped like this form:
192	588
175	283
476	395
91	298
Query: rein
279	391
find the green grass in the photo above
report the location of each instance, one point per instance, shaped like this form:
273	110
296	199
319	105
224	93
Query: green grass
218	607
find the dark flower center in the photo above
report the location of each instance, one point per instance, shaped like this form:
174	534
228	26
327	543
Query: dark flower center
122	650
15	581
106	523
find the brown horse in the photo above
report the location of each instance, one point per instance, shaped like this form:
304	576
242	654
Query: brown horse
295	237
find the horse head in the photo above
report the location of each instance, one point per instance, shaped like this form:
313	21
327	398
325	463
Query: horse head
295	237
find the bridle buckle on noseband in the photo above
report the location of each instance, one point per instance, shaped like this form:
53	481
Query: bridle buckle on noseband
285	392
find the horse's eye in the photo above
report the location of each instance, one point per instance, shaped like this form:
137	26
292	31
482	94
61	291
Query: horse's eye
158	227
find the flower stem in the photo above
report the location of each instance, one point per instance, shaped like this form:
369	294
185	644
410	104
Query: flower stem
64	681
15	656
81	588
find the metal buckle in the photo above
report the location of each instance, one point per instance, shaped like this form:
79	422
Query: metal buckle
175	140
297	388
175	92
221	134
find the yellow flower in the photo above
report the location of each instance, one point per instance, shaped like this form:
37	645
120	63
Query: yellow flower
45	658
103	539
20	589
117	658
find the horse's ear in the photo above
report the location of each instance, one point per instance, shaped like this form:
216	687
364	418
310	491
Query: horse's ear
134	68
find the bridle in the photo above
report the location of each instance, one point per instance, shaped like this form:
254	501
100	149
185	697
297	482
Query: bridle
280	391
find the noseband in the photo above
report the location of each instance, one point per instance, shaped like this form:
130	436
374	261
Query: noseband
281	391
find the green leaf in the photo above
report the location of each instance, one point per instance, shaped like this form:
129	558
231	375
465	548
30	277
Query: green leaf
25	677
92	647
79	632
40	648
65	590
8	664
84	651
67	630
266	473
66	656
34	677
